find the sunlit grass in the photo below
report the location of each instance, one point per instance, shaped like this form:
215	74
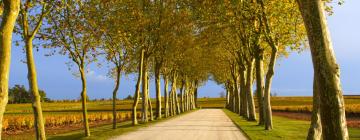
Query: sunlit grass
284	128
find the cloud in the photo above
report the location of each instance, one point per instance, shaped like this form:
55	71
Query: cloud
92	75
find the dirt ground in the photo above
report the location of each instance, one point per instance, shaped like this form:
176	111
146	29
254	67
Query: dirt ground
351	121
204	124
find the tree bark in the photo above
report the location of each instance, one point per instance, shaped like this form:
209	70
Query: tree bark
10	13
182	90
231	98
193	106
259	83
315	129
149	100
188	96
166	94
236	92
267	96
249	94
227	95
158	91
117	84
243	101
326	70
145	105
177	102
232	95
33	84
171	101
196	93
137	89
83	100
173	94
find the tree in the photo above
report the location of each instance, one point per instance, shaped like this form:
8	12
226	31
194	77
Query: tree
137	89
19	94
281	31
222	94
10	12
30	23
114	40
72	35
129	97
326	71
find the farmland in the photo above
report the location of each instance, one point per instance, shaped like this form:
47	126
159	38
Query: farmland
18	119
285	128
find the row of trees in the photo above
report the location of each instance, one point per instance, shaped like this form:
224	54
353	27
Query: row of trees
251	35
182	43
127	34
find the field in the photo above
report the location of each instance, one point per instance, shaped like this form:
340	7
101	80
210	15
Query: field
18	118
284	128
291	104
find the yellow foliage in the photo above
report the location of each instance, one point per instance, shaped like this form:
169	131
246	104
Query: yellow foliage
26	121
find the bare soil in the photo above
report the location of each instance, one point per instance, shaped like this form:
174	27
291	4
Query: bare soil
353	122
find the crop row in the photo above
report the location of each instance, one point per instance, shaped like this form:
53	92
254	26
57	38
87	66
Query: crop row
350	109
20	122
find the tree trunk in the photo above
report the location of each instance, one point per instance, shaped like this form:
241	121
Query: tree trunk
33	84
315	129
83	100
232	97
182	96
184	99
196	93
193	99
10	13
145	105
259	83
188	99
243	101
150	109
236	92
137	89
326	70
166	94
187	90
227	95
236	99
249	94
117	84
177	102
267	96
171	109
158	91
173	101
172	93
149	100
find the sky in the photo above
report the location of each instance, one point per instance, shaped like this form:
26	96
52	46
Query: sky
293	75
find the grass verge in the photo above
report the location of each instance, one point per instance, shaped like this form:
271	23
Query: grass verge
106	131
284	128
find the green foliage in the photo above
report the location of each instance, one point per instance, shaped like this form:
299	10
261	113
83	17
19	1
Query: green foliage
129	97
19	94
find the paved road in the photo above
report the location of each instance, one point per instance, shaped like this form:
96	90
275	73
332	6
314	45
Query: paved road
204	124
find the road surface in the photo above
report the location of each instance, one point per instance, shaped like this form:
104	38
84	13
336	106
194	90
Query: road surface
204	124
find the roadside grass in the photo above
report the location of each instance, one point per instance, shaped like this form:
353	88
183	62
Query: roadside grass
105	132
284	128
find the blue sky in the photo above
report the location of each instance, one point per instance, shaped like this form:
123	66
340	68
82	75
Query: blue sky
293	75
